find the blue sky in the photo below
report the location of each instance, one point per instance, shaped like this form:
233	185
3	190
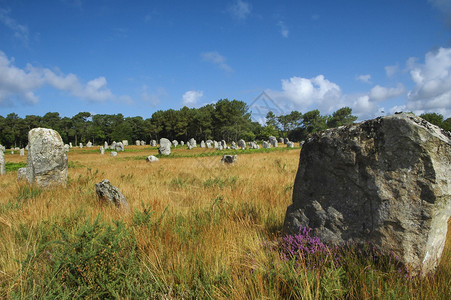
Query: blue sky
137	57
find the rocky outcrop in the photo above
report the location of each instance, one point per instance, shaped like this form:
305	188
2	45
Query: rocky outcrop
385	181
47	159
229	159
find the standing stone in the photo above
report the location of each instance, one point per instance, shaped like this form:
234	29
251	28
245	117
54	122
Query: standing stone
111	194
2	148
290	144
89	144
120	147
153	143
193	142
66	147
384	181
22	174
175	143
281	140
273	141
47	159
216	144
143	143
182	143
81	145
151	158
113	153
125	143
286	140
113	145
224	144
229	159
165	147
105	145
242	144
189	146
2	163
202	144
22	151
102	150
138	143
266	145
70	145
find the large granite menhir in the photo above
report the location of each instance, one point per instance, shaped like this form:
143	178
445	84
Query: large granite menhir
385	181
47	159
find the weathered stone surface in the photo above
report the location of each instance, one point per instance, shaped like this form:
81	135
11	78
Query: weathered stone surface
119	147
290	144
22	174
281	140
2	163
182	143
81	145
70	146
137	143
229	159
47	159
202	144
175	143
102	150
286	140
153	143
110	194
89	145
223	144
165	147
66	147
151	158
113	153
266	145
143	143
22	152
192	142
385	181
216	144
242	144
125	142
273	141
2	148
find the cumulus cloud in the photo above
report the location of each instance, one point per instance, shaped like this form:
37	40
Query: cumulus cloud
21	84
380	93
364	78
283	29
240	9
306	94
432	91
190	98
20	31
216	59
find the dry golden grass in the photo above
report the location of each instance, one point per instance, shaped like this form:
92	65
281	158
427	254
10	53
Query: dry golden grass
209	219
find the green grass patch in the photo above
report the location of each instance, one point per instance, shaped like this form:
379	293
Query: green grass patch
12	166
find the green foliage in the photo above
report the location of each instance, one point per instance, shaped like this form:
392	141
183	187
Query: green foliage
12	166
437	119
93	262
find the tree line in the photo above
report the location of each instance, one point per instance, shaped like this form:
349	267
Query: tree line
228	120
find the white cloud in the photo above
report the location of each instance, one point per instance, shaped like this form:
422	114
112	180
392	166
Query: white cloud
20	31
364	78
379	93
283	29
432	91
390	71
21	84
190	98
216	59
240	9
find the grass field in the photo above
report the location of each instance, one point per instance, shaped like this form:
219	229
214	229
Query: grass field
196	229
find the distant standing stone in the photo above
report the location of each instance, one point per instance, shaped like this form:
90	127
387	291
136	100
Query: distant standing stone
202	144
143	143
175	143
2	163
125	142
22	152
151	158
105	145
182	143
165	147
273	141
66	148
242	144
229	159
193	142
153	143
22	174
70	145
111	194
138	143
290	144
102	150
120	147
81	145
281	140
89	144
113	153
266	145
47	159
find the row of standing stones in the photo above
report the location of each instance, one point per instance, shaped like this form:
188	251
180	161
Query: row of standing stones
385	181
